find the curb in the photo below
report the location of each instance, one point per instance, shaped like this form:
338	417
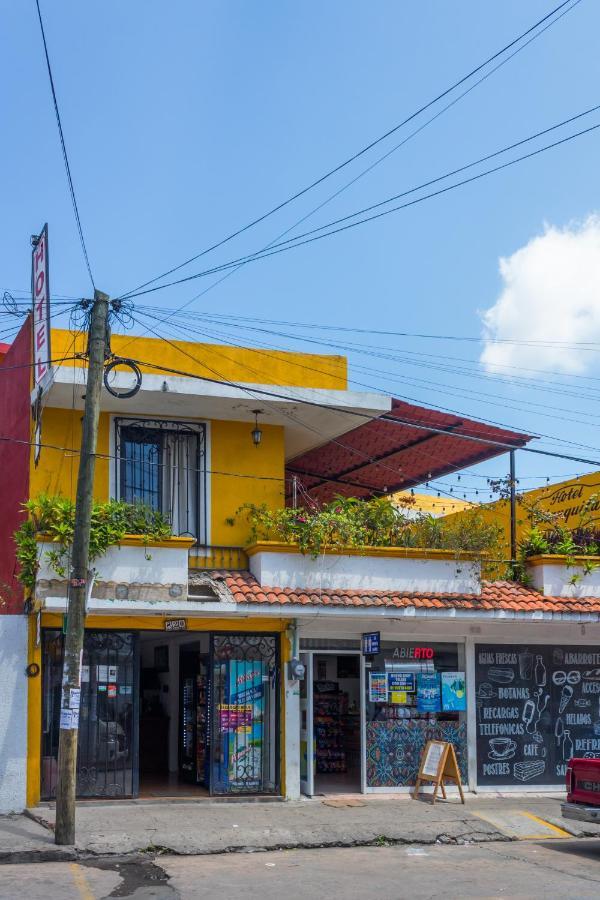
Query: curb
8	857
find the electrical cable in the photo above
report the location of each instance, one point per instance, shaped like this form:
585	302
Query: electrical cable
405	334
388	417
64	148
548	386
409	399
112	456
361	152
310	237
377	162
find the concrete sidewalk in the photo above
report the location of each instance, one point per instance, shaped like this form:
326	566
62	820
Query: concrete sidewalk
196	828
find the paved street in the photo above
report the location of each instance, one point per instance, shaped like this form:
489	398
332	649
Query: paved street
558	868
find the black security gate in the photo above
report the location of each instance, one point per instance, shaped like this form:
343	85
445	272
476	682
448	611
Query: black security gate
107	757
245	714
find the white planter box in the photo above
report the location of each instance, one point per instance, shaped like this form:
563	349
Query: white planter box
553	577
374	569
128	571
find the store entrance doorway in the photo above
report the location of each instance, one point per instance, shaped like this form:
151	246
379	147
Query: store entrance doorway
331	723
166	714
173	715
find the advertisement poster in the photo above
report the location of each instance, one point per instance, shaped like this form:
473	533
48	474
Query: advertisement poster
246	712
454	692
235	717
398	697
378	687
401	681
429	694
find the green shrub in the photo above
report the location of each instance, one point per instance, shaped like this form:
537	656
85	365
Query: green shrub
349	522
54	517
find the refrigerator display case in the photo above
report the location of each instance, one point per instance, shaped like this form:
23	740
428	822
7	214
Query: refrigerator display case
193	692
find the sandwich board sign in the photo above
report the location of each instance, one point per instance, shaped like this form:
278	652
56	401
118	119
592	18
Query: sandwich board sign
438	763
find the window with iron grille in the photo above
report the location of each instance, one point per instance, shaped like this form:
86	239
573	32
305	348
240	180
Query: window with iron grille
162	465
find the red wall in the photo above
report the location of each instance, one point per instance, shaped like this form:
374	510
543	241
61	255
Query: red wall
15	416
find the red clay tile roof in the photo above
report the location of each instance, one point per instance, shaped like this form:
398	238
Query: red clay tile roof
496	595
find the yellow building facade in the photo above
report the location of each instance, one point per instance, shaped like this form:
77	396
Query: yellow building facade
213	396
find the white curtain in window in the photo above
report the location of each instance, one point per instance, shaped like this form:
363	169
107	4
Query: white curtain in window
180	481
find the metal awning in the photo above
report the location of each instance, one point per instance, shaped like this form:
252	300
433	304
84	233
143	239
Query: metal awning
397	450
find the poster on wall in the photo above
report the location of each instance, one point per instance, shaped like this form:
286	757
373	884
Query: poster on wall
401	681
244	720
454	692
536	708
378	687
429	696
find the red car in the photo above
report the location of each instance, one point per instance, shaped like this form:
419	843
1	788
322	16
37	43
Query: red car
583	790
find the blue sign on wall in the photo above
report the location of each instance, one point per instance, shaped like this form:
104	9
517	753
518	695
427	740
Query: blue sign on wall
371	643
454	692
401	681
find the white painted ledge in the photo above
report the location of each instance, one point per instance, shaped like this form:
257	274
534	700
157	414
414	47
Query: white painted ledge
374	570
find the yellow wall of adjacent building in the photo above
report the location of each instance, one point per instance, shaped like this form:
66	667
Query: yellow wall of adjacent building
429	503
566	499
217	361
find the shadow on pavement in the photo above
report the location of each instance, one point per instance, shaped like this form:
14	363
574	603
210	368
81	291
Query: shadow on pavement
587	849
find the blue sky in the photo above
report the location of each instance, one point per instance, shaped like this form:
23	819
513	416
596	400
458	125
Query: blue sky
184	121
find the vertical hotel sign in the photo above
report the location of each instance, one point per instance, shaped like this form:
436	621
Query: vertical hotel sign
40	287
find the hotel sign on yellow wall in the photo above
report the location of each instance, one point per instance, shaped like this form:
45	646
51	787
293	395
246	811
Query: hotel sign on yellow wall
566	500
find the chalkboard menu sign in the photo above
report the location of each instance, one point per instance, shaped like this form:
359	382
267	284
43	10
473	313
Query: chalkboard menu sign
537	707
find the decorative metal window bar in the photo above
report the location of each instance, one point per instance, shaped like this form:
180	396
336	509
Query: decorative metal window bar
162	464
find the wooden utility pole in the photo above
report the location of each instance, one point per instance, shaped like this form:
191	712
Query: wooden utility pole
78	580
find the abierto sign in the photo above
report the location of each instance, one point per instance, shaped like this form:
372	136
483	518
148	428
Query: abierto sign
40	289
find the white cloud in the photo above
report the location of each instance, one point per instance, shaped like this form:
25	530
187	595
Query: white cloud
551	292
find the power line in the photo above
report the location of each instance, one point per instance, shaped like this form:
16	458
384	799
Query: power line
361	152
362	384
64	148
310	237
528	384
377	162
111	456
374	331
387	417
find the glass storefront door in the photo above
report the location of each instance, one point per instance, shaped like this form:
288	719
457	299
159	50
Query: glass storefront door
108	719
245	714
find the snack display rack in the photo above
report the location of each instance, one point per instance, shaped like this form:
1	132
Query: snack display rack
329	710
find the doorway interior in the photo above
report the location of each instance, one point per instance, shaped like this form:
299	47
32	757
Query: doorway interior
334	689
173	724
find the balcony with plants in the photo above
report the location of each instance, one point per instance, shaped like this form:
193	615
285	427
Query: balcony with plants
369	545
133	553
